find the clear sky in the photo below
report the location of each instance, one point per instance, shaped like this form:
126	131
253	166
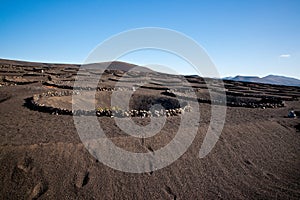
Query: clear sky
242	37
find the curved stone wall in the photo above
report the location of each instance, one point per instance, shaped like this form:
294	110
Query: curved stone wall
108	112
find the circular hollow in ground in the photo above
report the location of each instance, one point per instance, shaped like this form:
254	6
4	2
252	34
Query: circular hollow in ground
138	101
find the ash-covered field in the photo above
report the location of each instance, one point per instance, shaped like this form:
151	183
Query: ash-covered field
42	156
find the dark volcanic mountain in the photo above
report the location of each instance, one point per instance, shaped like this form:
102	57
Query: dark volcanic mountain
270	79
115	65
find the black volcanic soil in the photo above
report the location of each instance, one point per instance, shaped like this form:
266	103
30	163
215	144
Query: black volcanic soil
42	157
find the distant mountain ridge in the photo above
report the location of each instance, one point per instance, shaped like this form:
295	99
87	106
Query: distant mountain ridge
270	79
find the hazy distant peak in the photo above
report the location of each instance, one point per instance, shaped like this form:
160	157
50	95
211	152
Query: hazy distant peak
270	79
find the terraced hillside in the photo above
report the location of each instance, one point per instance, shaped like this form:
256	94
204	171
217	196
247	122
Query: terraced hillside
42	155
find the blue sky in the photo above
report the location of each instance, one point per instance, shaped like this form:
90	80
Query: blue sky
241	37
